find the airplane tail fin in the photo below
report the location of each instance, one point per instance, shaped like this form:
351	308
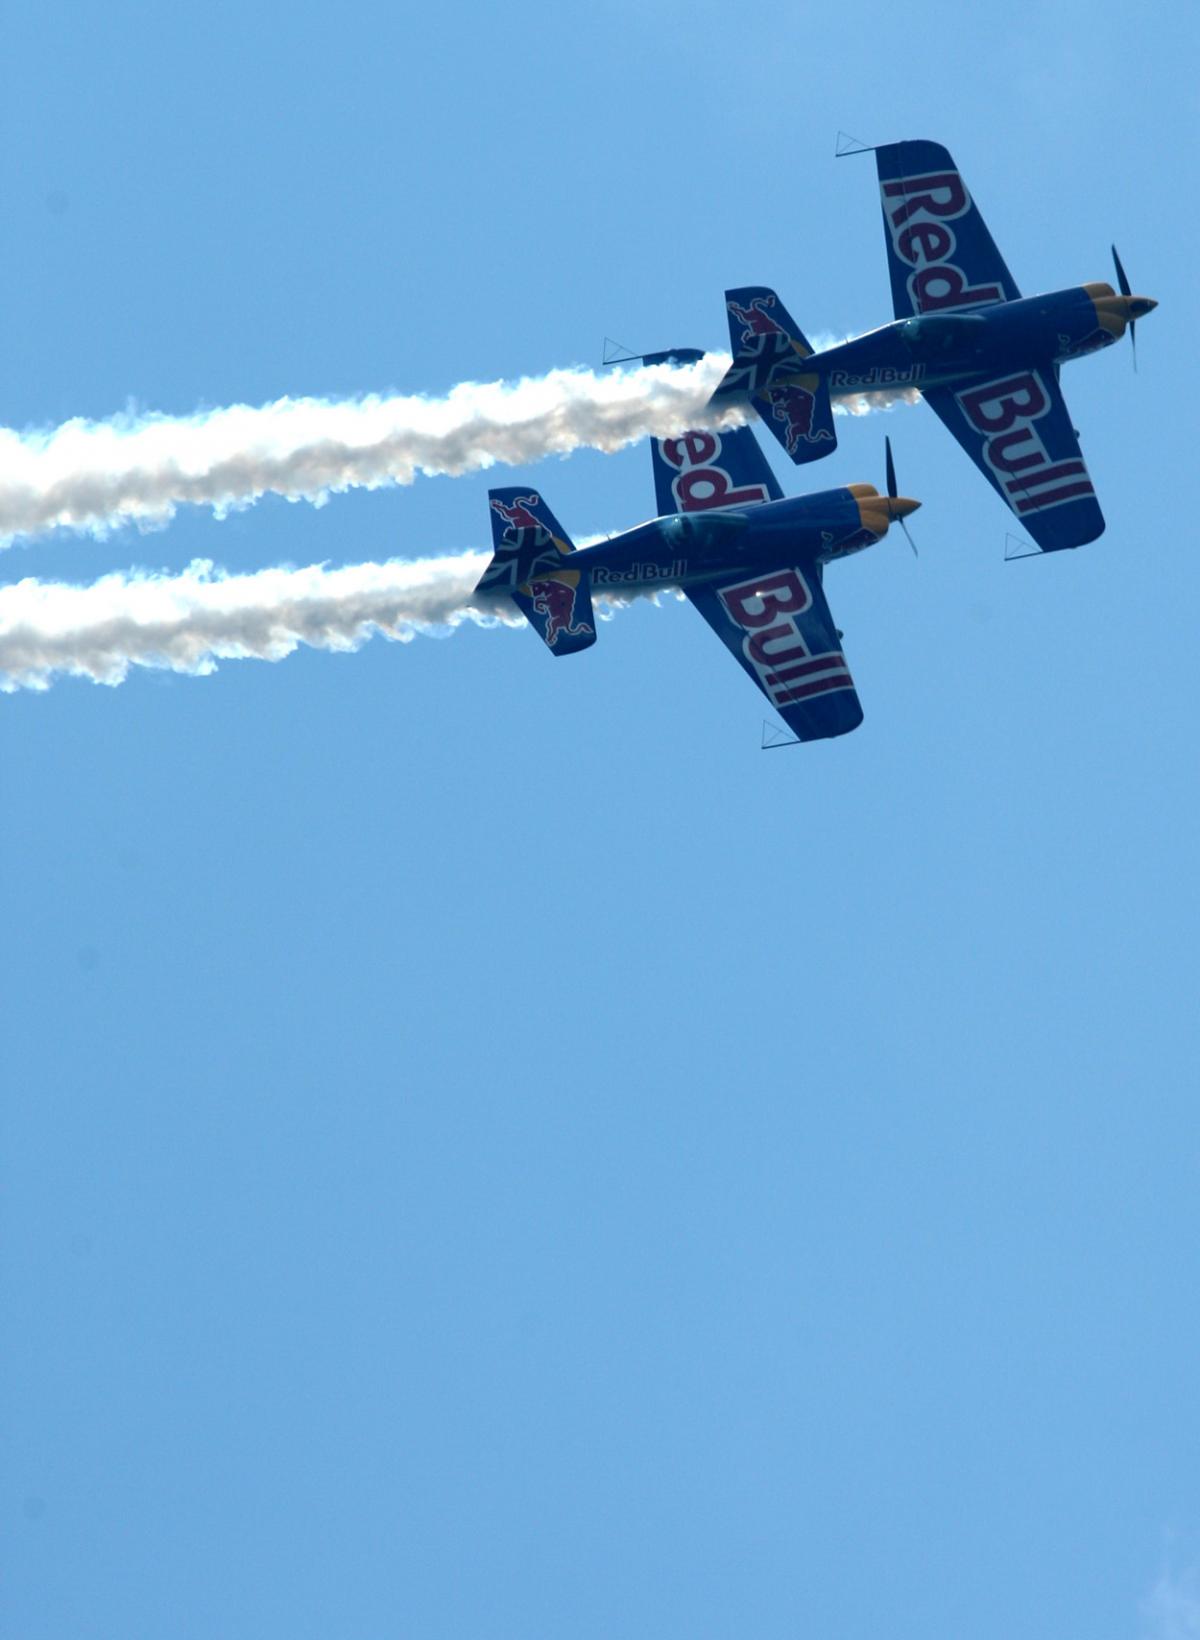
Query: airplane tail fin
530	562
768	352
756	313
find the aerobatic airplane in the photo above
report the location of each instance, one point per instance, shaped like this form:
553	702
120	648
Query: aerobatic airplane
982	355
747	558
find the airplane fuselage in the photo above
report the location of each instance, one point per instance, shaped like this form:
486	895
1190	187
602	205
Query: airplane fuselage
938	349
688	549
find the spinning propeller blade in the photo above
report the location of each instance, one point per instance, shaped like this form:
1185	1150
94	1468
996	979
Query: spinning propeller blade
1126	290
1122	282
893	493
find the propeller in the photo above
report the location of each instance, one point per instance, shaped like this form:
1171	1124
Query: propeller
894	516
1126	290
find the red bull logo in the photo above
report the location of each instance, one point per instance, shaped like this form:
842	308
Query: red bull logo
516	513
879	376
918	212
755	318
796	408
555	599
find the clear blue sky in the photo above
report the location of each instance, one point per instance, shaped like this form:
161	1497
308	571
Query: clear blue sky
487	1153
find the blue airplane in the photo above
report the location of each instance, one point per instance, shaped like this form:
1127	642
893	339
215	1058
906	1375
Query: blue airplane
749	559
985	358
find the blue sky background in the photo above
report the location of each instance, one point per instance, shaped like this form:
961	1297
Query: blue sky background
487	1152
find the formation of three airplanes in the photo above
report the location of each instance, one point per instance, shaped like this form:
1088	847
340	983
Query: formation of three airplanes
982	356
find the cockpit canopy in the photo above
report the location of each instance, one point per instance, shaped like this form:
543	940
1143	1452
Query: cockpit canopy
937	335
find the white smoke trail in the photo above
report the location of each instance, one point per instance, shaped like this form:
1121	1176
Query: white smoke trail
137	469
187	622
98	475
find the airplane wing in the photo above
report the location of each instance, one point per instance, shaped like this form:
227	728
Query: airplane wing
777	625
700	470
1017	430
941	257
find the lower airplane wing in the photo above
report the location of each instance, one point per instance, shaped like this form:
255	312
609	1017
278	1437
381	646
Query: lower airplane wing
777	625
1017	430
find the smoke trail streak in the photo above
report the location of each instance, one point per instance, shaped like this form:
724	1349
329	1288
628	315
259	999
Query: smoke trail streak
187	622
98	475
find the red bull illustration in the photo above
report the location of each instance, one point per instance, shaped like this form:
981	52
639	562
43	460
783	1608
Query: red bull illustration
555	599
533	563
755	319
795	407
517	514
768	347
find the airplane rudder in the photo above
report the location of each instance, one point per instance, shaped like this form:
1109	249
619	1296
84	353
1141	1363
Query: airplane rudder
520	509
525	536
757	313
